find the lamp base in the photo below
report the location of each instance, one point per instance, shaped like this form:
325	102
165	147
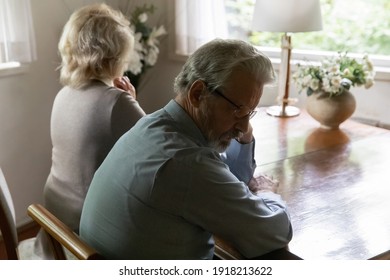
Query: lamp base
277	111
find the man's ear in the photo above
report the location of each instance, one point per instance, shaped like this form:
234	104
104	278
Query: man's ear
196	92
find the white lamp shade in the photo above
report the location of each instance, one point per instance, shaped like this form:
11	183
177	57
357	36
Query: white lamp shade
287	15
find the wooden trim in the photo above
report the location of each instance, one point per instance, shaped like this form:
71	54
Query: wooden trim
61	234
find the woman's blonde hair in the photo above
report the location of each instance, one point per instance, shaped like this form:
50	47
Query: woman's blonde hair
96	43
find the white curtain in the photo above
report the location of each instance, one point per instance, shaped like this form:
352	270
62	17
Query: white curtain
197	22
17	39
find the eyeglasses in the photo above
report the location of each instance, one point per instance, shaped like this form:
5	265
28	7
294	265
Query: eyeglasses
240	111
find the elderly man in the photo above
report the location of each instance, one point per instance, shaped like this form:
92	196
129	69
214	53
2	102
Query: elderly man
181	174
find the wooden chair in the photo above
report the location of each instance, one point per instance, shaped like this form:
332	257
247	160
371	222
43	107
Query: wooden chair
225	251
61	236
14	248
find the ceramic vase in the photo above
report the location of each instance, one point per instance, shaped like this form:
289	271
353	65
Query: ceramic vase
330	112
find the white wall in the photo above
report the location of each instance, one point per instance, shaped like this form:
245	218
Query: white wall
25	105
26	100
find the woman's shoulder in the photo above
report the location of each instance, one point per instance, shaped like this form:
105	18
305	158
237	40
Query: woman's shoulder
104	93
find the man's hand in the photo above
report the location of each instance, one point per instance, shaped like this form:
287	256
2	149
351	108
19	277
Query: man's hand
263	183
247	137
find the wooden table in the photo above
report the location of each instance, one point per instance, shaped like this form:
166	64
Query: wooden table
336	184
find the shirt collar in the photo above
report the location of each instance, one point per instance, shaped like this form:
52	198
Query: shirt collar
187	123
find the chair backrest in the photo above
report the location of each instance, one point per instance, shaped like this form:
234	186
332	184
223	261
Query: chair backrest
225	251
7	220
61	235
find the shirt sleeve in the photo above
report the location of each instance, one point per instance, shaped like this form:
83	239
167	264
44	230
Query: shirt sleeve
125	113
240	159
224	206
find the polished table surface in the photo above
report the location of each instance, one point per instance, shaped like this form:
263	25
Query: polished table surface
336	184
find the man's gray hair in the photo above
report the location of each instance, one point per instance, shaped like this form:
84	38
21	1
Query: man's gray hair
215	61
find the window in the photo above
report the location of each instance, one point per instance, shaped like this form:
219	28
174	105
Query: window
348	25
197	22
355	26
17	42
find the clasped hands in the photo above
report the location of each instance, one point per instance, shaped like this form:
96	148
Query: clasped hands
263	183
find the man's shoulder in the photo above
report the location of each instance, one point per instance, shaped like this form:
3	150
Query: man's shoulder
197	156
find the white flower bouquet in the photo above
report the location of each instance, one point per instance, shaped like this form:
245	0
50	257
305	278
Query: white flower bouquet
146	48
334	75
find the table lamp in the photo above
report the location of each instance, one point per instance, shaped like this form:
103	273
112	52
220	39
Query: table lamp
286	16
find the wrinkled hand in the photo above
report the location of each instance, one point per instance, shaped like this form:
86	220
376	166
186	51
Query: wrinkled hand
124	83
263	183
247	137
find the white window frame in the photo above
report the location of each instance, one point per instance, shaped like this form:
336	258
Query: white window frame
17	37
381	62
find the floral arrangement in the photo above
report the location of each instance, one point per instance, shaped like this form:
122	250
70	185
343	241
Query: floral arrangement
146	45
334	75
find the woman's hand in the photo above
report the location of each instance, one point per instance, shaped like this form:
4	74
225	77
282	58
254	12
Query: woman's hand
124	83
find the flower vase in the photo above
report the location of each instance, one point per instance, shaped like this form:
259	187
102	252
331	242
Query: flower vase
330	112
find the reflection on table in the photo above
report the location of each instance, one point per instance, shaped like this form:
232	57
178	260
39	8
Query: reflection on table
336	184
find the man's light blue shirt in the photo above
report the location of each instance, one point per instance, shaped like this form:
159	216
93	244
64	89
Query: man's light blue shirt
162	193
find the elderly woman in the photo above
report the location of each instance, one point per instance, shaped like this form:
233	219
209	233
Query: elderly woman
94	108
